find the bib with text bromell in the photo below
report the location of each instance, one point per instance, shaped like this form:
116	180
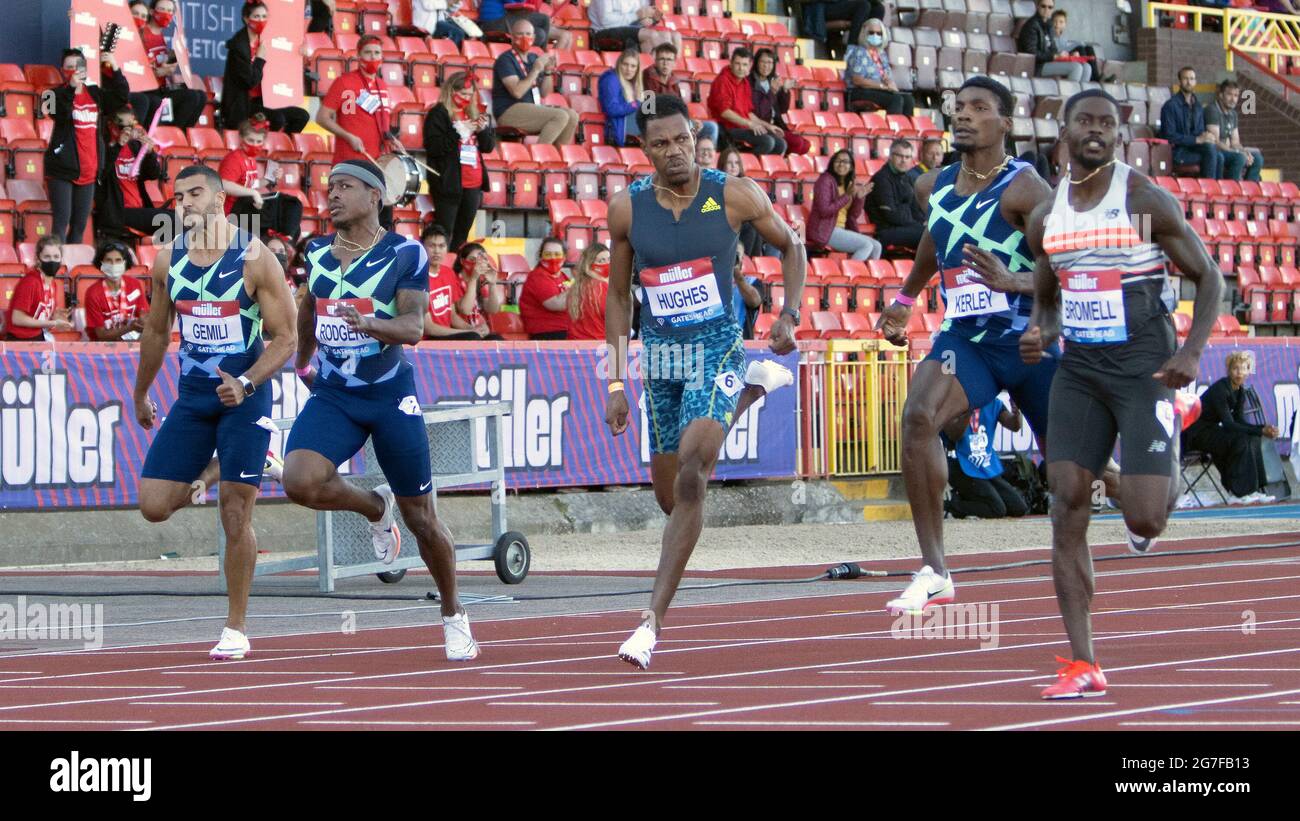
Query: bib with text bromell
1092	307
682	295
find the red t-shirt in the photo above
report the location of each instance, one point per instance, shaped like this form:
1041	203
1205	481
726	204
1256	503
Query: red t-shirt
85	128
363	108
539	287
445	290
127	181
34	297
471	164
107	311
590	323
240	169
155	47
729	93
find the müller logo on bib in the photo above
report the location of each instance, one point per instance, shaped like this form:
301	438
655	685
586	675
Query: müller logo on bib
1083	282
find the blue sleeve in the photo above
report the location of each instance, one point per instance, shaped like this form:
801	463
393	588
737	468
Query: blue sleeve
412	266
612	101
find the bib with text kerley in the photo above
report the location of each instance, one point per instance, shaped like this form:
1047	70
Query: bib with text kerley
682	295
334	335
967	296
1092	305
211	327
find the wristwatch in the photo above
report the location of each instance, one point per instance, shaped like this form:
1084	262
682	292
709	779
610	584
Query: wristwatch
249	387
793	313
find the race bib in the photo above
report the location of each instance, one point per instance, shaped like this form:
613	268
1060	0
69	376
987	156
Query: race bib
334	335
469	154
211	327
966	296
682	295
1092	305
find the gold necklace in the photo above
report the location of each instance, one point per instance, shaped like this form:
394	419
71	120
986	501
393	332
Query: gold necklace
692	196
1006	158
1069	170
344	243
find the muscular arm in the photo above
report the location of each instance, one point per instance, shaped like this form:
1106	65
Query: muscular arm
1047	289
618	302
926	264
1025	194
157	328
328	120
275	302
752	205
306	328
407	327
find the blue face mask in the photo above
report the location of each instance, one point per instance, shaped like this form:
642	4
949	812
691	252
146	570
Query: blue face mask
875	40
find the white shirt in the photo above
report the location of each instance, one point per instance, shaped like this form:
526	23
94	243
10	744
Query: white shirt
608	14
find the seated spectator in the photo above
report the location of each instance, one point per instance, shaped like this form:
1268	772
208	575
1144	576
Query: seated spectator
519	81
658	78
974	469
357	109
586	297
282	248
241	89
478	295
1223	432
639	24
745	298
121	199
892	203
32	315
706	153
446	290
772	99
856	12
115	305
1182	123
543	303
731	103
322	16
1075	48
493	16
868	75
456	136
750	241
245	193
1221	123
435	17
1036	38
186	103
838	202
931	158
620	93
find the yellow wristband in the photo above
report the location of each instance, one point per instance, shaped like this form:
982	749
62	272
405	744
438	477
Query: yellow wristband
616	385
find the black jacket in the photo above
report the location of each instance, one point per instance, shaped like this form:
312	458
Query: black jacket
1036	39
1224	408
769	107
442	153
243	74
892	202
109	205
61	161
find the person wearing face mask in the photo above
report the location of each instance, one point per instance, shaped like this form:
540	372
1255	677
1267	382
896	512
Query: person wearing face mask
869	76
456	136
585	301
520	79
493	15
122	200
241	94
357	109
186	103
544	303
281	247
620	97
140	13
33	312
115	305
241	177
477	295
76	150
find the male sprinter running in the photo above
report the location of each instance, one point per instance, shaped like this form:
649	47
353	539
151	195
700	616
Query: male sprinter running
367	292
678	229
974	238
1101	245
228	290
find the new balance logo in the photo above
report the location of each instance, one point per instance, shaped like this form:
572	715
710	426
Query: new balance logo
710	205
1157	446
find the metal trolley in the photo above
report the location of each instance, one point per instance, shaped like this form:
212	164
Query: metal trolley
343	545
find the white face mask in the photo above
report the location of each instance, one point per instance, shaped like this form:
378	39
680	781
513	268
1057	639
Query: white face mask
113	271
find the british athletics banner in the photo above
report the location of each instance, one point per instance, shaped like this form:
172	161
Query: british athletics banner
68	436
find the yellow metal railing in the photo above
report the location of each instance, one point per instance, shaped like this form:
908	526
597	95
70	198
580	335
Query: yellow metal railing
1251	32
863	389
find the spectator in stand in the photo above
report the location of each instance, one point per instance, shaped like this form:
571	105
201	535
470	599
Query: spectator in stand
658	78
931	158
620	92
241	89
1182	123
1221	122
772	99
282	248
32	313
855	12
519	81
979	490
1076	48
1223	432
75	155
731	103
639	24
586	296
731	163
121	199
706	153
746	300
357	109
456	136
186	103
115	305
494	16
892	203
478	278
443	320
543	303
434	17
322	16
838	202
140	13
242	180
868	75
1036	38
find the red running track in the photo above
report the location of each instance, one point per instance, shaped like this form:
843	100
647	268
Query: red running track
1193	642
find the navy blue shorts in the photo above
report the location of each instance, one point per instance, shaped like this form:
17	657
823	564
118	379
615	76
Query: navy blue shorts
336	421
986	369
197	424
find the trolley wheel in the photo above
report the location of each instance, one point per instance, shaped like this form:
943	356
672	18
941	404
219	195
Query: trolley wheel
512	557
392	576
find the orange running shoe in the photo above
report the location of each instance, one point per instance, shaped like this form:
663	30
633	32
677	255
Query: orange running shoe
1077	679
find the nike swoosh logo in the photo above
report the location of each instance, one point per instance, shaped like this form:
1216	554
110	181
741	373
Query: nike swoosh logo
230	273
426	485
243	475
986	202
373	263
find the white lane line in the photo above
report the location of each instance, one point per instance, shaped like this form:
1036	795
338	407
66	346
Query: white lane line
21	672
821	723
590	704
624	673
1209	724
770	686
233	672
412	687
237	703
92	686
1125	685
428	723
1025	703
921	672
1140	710
68	721
1289	702
1239	670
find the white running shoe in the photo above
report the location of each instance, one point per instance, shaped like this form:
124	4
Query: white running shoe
274	467
384	535
234	645
926	590
768	374
1238	500
1137	544
1186	501
638	648
455	634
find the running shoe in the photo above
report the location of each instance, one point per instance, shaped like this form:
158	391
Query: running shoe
234	645
1137	544
460	644
274	467
384	535
926	590
1077	679
637	649
768	374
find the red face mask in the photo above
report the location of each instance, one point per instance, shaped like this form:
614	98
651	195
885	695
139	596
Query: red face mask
523	44
162	19
552	266
257	26
462	99
253	150
370	66
139	23
68	74
600	269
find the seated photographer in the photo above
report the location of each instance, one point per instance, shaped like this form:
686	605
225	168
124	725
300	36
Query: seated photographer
975	471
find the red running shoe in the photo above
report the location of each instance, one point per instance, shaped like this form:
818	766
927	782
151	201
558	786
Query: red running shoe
1077	679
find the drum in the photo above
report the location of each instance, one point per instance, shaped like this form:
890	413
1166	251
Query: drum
401	178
